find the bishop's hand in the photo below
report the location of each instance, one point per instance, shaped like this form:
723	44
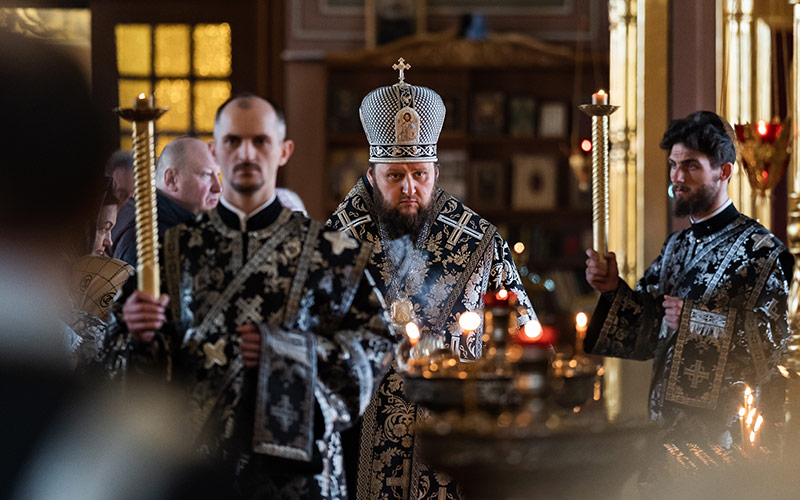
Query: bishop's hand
603	276
144	314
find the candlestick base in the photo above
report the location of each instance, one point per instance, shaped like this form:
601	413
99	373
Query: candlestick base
598	109
139	115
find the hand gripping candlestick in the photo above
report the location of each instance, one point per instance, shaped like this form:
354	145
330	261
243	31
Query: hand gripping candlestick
599	110
143	116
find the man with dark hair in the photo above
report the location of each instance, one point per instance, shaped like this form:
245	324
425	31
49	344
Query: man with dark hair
711	309
187	185
120	169
436	259
274	329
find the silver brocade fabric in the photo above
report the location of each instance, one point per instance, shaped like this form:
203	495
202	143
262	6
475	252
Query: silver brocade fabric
325	347
462	257
733	328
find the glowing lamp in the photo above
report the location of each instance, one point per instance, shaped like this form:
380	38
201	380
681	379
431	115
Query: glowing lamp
534	333
500	298
764	149
586	145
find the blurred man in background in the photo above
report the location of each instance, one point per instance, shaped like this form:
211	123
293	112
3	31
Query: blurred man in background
187	185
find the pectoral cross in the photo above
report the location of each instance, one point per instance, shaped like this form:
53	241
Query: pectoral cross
401	481
401	66
695	374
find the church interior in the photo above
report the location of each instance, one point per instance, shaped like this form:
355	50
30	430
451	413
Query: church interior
520	81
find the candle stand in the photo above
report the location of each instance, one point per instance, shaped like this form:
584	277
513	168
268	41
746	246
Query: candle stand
142	117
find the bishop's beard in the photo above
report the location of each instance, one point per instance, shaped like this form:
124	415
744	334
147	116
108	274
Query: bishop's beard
398	224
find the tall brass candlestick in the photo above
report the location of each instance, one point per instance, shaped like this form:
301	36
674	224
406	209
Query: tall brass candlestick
142	117
599	110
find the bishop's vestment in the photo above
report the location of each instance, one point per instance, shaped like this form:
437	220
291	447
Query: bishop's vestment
733	275
456	259
324	346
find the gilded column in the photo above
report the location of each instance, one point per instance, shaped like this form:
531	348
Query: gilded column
639	84
793	229
622	234
735	100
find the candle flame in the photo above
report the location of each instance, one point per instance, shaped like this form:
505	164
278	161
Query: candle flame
752	437
750	400
747	391
413	332
742	411
502	294
142	96
581	320
532	330
783	371
519	247
759	421
750	416
469	321
601	92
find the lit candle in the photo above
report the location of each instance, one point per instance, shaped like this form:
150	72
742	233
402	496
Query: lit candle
742	427
532	331
142	101
469	322
501	298
413	333
600	97
581	322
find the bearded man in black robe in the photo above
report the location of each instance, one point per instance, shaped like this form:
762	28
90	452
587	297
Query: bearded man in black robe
435	259
711	310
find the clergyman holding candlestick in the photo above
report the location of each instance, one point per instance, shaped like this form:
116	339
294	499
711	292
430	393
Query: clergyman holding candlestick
711	309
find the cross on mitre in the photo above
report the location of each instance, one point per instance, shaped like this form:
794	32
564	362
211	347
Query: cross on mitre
401	66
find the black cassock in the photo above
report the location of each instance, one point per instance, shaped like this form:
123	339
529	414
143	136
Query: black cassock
325	346
733	275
